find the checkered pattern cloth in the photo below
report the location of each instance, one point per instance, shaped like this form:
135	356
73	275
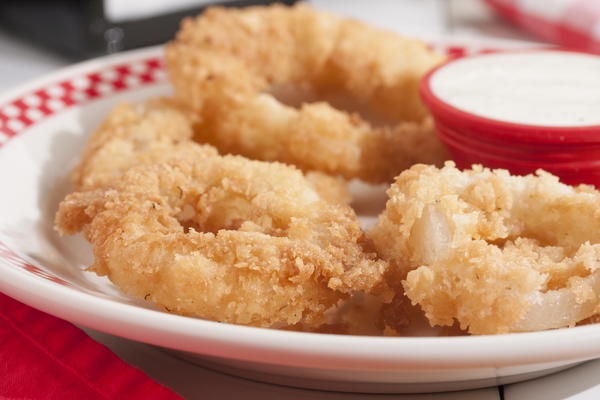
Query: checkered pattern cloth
568	23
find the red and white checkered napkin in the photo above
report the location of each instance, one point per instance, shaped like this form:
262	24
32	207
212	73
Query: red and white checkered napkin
568	23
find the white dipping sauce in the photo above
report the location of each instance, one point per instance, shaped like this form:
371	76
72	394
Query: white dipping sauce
545	88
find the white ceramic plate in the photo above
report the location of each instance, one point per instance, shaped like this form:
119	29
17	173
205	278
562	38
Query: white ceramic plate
43	127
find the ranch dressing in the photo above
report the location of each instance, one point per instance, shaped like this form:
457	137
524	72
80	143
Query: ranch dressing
544	88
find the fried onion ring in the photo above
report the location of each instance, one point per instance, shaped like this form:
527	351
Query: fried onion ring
226	239
495	252
155	131
228	65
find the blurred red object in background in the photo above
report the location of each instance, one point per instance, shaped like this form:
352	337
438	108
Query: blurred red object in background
569	23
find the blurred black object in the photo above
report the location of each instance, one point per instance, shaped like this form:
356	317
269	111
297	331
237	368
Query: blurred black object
81	28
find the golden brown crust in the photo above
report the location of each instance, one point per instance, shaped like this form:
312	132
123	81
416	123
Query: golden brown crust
226	239
222	238
155	131
134	134
495	252
226	65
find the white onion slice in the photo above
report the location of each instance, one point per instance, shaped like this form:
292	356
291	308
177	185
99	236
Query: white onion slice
559	308
430	235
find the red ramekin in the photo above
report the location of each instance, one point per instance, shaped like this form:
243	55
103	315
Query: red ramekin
571	153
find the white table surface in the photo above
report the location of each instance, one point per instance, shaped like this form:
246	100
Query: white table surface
20	61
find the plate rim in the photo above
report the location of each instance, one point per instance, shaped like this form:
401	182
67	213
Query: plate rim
79	67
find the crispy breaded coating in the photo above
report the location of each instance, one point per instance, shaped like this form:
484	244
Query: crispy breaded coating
155	131
222	238
135	134
225	238
230	66
495	252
